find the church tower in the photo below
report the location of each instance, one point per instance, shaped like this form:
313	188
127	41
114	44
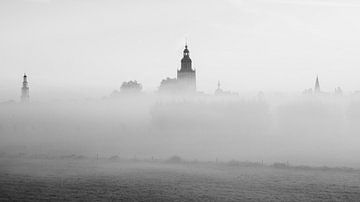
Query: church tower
317	86
25	90
186	76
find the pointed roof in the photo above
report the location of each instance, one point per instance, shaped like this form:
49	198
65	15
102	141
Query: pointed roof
317	85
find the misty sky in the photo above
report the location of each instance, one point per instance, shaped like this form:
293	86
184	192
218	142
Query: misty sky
78	49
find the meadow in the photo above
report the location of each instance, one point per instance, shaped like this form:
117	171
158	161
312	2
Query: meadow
91	179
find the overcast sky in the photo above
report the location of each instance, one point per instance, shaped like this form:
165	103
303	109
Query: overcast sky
88	48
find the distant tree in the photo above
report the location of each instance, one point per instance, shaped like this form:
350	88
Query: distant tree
131	87
168	85
115	94
338	91
174	159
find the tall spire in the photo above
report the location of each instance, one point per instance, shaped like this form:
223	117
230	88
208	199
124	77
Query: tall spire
186	61
186	75
317	85
25	90
219	91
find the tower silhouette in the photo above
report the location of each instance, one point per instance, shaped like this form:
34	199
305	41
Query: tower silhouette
186	76
25	96
317	85
218	91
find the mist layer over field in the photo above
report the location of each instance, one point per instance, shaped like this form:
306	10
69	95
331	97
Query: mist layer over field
310	130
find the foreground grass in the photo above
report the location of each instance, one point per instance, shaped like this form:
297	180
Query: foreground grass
24	179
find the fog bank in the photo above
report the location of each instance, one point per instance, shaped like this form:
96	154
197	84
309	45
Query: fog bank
312	130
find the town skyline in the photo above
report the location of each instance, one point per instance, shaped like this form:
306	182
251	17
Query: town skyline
185	82
249	46
181	84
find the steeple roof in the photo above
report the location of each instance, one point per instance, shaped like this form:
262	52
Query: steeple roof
317	85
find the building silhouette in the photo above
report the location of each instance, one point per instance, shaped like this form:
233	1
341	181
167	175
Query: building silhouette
317	86
186	76
338	91
25	96
219	91
185	82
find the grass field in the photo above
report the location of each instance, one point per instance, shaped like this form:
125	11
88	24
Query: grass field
25	179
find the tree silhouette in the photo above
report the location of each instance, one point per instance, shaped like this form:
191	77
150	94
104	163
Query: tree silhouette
131	86
168	85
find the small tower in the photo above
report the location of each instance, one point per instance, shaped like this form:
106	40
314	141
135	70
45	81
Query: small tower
218	91
186	76
25	90
317	86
